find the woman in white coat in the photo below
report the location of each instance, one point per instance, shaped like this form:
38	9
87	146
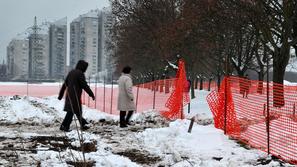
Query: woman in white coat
126	98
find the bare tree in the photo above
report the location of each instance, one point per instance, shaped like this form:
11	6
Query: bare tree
275	20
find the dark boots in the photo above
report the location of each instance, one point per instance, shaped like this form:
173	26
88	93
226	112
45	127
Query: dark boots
130	113
65	129
122	119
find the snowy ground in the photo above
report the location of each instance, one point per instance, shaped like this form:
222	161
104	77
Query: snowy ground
30	136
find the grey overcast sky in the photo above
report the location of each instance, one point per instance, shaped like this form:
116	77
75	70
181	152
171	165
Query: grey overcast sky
17	15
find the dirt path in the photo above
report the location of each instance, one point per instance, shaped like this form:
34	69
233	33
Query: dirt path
25	140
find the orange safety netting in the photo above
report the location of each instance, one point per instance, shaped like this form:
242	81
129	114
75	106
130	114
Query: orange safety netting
159	94
216	101
180	96
151	95
249	120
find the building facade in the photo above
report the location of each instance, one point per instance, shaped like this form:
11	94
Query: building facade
58	49
108	20
86	41
38	56
18	59
3	72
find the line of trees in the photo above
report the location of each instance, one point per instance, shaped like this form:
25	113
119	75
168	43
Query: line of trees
215	37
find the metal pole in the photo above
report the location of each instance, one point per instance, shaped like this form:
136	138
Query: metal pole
111	96
268	114
189	107
154	99
226	96
27	87
103	93
89	96
137	92
96	92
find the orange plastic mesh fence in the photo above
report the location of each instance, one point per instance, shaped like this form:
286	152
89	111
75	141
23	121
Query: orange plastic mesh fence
247	116
180	95
23	89
159	95
146	97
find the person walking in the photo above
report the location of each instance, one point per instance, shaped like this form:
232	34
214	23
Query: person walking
74	83
125	98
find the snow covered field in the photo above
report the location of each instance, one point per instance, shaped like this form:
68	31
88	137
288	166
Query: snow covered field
30	136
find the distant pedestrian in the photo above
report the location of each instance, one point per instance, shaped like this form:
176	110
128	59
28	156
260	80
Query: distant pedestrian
126	97
74	83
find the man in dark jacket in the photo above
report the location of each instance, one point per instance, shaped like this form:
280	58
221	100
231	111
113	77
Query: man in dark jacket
74	83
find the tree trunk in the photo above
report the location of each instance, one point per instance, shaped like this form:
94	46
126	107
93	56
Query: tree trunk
209	83
295	47
278	88
196	82
280	61
219	81
201	84
260	83
241	82
192	88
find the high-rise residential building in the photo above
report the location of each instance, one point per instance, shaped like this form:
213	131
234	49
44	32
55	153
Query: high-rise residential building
18	59
3	71
85	41
74	43
42	55
38	56
108	20
57	48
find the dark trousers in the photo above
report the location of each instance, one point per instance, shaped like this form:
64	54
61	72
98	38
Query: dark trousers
68	119
125	119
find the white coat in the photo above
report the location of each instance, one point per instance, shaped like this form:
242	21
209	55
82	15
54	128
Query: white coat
126	97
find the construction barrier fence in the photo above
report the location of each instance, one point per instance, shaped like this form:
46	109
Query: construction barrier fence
151	95
260	114
167	96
